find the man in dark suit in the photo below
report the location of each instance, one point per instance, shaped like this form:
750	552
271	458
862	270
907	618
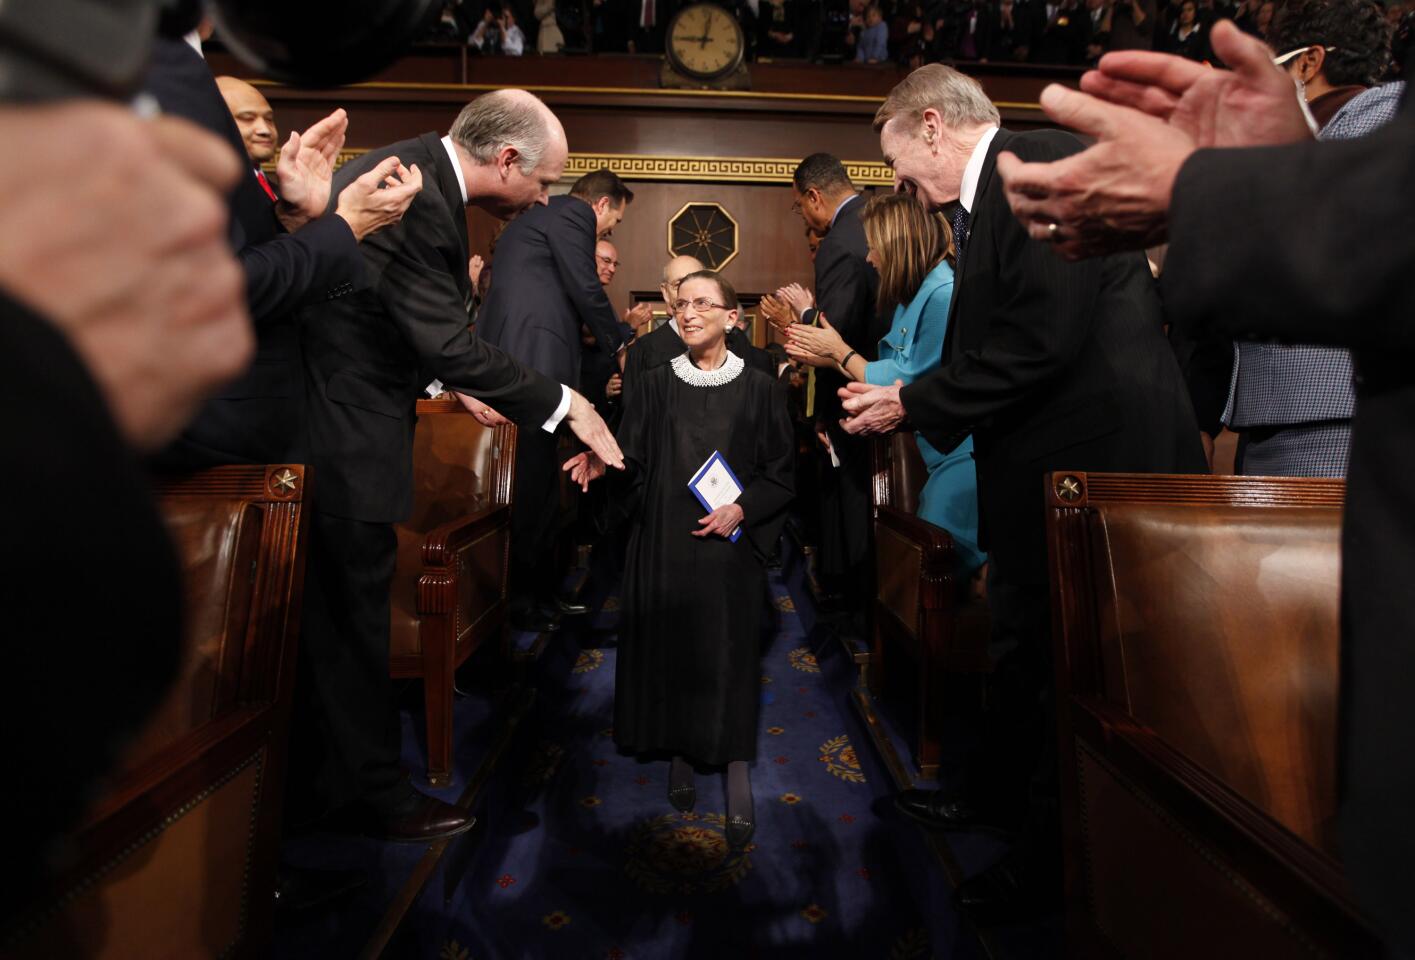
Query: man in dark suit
292	255
1268	277
1049	365
547	287
660	346
846	291
367	356
120	310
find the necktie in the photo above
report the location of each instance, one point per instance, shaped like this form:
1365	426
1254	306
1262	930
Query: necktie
960	231
265	185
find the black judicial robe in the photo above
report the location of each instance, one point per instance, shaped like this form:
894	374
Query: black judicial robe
688	678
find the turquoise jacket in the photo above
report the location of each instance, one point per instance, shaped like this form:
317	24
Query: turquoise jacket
912	348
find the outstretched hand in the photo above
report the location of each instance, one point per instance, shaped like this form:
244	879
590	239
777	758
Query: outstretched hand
590	427
583	468
721	522
1148	112
823	342
484	414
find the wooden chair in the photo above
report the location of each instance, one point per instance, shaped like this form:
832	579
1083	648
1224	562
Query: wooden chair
449	588
178	857
926	624
1196	637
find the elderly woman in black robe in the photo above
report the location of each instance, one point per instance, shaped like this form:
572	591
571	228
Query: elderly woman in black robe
688	682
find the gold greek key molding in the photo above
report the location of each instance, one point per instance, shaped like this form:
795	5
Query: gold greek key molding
632	166
638	166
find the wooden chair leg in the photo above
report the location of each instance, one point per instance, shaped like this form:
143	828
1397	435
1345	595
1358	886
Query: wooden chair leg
438	664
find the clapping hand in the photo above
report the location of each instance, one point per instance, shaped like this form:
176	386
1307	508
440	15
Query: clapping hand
816	346
1149	112
872	409
639	316
798	298
721	522
474	269
380	197
306	169
776	312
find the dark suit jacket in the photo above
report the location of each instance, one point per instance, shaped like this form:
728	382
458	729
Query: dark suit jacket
658	347
368	355
71	480
1051	366
545	287
255	418
846	292
1241	263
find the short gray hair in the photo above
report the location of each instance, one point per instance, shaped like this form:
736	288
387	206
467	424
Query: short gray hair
958	98
503	118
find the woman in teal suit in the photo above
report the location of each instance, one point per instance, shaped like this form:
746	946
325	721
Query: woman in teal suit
910	248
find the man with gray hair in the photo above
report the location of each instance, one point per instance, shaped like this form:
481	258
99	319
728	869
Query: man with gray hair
1050	366
368	356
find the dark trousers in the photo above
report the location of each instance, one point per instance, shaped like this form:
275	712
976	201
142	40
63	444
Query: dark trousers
535	516
1015	773
846	562
347	741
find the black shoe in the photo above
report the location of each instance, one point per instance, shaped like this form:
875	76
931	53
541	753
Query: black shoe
739	830
300	888
1010	891
415	817
534	621
947	811
568	608
683	798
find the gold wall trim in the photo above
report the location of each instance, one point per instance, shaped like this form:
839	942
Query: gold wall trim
425	86
776	170
638	166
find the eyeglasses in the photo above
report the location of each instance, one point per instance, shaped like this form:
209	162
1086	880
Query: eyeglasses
699	303
1282	59
608	261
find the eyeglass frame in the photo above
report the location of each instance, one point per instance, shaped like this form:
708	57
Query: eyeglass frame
608	262
698	303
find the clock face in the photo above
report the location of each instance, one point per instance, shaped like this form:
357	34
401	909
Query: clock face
705	41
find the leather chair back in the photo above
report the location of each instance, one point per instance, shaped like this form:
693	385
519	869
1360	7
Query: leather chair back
177	857
1197	644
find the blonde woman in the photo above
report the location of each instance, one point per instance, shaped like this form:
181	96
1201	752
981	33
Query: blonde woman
910	248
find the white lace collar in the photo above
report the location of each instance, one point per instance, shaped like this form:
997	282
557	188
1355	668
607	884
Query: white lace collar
689	373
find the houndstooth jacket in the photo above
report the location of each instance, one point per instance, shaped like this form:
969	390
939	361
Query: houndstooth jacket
1281	385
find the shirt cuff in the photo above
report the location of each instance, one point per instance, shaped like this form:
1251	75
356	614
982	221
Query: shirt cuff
550	425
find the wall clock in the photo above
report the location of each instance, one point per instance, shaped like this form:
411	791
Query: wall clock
704	48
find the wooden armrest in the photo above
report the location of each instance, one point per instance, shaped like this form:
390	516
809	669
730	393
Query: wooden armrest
933	540
441	544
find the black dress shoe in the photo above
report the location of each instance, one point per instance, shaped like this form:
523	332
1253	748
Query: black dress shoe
1010	891
534	621
947	811
418	818
739	830
568	608
683	798
300	888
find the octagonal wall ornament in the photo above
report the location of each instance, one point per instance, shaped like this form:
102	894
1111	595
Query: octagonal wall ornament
703	229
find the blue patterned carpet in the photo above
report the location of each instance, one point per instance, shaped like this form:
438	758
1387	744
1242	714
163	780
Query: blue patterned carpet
578	853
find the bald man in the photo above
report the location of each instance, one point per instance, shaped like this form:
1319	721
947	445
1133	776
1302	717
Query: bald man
254	118
606	261
367	357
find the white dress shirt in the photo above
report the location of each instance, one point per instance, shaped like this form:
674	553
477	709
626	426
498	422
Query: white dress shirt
564	406
968	189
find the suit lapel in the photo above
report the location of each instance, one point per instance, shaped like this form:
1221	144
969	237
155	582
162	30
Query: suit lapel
447	184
